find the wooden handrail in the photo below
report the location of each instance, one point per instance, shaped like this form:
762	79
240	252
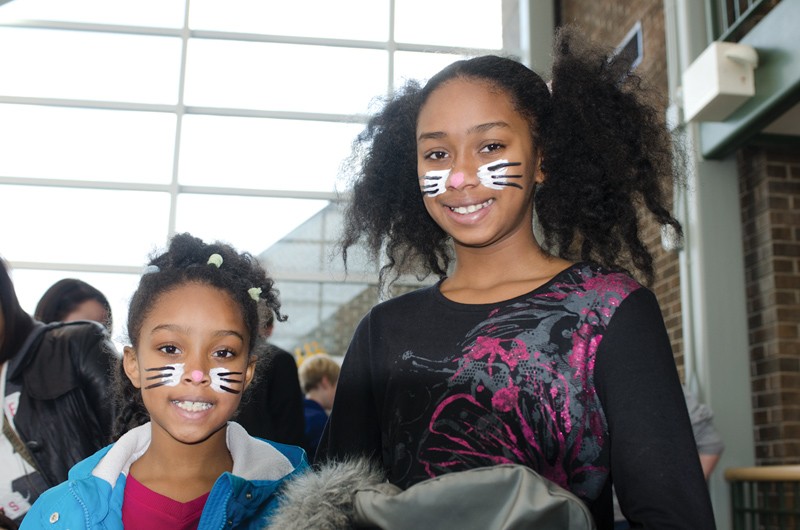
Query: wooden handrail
763	474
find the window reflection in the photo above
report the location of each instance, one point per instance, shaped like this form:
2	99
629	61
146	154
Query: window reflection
89	65
94	226
342	19
285	77
263	153
86	144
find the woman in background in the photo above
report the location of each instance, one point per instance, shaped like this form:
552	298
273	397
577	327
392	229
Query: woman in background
71	299
55	396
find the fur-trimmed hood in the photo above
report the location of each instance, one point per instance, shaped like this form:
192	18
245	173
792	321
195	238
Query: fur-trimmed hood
354	494
324	499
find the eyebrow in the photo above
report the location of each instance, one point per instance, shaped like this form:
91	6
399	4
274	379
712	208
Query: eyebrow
483	127
181	329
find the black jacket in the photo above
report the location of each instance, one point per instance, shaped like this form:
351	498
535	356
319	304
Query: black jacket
273	407
65	406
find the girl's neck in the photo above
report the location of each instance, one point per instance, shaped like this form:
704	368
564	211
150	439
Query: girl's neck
181	471
502	272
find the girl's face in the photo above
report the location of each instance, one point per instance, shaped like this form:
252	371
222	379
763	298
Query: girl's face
192	363
475	159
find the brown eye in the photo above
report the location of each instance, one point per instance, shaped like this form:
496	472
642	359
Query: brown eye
169	349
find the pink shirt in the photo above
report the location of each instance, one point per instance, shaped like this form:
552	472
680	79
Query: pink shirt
144	508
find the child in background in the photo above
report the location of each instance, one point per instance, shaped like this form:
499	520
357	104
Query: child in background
540	353
193	323
318	377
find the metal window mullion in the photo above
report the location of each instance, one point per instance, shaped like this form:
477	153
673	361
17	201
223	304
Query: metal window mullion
179	113
391	48
173	187
75	267
89	27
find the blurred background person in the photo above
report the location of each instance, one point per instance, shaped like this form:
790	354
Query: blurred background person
55	399
71	299
318	377
273	406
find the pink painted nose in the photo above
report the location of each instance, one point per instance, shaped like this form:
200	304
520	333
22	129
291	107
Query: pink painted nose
197	376
457	179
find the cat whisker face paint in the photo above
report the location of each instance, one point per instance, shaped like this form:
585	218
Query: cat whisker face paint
222	379
434	182
169	375
494	175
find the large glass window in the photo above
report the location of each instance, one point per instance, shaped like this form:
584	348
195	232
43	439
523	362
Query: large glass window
125	121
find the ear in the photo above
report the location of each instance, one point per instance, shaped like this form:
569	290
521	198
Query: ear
538	173
130	362
249	371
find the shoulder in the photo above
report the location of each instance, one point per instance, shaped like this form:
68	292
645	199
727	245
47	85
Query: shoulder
79	335
78	330
596	279
407	303
55	508
65	506
259	459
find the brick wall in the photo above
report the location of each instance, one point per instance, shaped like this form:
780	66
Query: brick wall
607	22
770	196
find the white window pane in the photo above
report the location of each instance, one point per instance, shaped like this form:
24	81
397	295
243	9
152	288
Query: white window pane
263	153
31	284
83	226
89	65
466	23
86	144
283	76
342	19
250	224
420	66
158	13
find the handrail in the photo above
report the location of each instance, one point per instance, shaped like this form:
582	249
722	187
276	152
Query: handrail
787	473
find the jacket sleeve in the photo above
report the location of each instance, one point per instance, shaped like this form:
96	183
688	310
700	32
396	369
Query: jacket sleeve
654	461
354	426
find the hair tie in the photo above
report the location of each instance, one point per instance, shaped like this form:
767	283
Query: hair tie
214	259
255	293
150	269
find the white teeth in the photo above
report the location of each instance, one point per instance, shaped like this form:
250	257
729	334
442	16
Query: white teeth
472	207
192	406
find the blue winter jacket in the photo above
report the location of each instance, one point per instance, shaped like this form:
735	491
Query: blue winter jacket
92	496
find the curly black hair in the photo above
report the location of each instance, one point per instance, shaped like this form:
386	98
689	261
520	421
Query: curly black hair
187	261
603	147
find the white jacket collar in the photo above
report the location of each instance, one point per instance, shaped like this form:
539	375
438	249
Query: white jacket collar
253	459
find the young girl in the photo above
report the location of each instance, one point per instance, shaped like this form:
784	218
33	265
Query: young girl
193	324
545	355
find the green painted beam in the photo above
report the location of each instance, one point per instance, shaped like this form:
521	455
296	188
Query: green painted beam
777	81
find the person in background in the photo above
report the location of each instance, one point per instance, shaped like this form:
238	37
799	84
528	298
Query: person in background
536	349
319	374
55	397
193	324
273	408
71	299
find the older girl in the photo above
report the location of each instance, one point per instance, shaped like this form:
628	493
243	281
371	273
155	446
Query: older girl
542	353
